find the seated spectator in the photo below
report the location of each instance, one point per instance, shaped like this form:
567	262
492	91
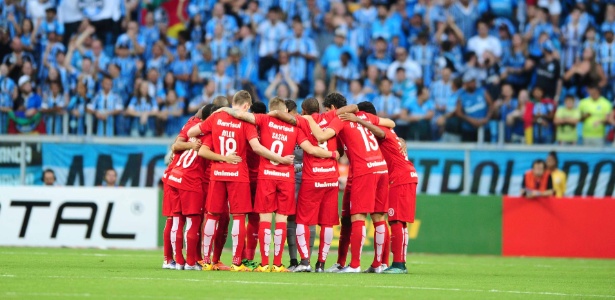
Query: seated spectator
219	45
483	42
8	94
223	83
206	97
413	70
356	94
340	80
448	123
28	103
386	104
424	53
282	87
558	176
330	59
505	106
110	179
419	114
182	69
595	110
105	106
566	119
404	88
143	110
371	82
76	110
380	57
473	108
544	111
241	70
537	182
171	114
52	108
49	177
516	66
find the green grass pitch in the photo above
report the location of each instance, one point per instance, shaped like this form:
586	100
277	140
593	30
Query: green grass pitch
40	273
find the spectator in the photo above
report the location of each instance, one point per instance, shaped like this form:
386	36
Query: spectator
182	68
224	84
537	182
543	111
77	109
110	179
606	57
356	94
384	26
135	42
207	97
483	42
548	74
241	70
8	94
424	54
465	14
219	45
516	65
371	82
272	32
473	108
282	87
558	176
403	88
380	57
143	110
566	119
127	68
29	103
344	74
303	52
219	18
594	112
105	106
572	36
49	177
584	73
170	114
419	114
330	60
53	107
15	59
507	105
204	68
413	70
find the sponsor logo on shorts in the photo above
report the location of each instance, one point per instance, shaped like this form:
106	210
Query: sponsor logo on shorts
326	184
228	124
277	174
414	175
391	212
323	170
173	178
223	173
376	164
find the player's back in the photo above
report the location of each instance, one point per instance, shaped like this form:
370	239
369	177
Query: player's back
360	144
229	135
400	168
280	138
315	168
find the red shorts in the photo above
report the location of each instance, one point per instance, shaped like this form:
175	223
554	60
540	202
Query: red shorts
346	200
369	194
189	202
229	195
167	202
252	191
402	202
275	196
318	205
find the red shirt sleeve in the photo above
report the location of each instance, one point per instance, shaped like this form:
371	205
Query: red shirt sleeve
373	119
250	131
301	137
337	125
207	141
330	115
205	126
260	119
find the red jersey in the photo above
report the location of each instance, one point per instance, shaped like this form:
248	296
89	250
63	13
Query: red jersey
360	144
316	168
401	170
253	163
228	135
183	133
280	138
187	172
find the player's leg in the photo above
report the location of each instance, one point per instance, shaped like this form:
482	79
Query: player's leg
216	203
312	238
346	228
327	218
220	240
251	232
279	240
307	216
285	206
239	205
264	238
193	223
401	211
177	240
362	202
381	205
169	261
291	229
357	239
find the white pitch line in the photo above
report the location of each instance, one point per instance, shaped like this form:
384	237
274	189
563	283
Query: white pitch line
343	285
87	295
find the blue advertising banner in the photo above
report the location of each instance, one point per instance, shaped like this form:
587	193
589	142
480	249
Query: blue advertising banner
500	172
85	164
11	156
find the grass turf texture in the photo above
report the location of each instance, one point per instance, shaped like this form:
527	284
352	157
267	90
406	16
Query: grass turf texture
36	273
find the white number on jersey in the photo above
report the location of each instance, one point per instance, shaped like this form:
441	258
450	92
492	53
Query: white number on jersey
371	144
277	147
227	145
186	159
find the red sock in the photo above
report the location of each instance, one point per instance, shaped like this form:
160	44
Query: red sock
379	240
199	248
221	235
386	253
357	238
303	239
326	236
251	236
177	238
405	241
192	239
279	239
166	240
239	237
264	240
397	240
344	243
209	232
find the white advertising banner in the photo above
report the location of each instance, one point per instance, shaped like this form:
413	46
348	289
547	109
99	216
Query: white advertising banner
99	217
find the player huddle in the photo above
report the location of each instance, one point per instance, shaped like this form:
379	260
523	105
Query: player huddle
229	162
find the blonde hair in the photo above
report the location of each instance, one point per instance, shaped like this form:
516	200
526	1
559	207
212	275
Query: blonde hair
277	103
242	97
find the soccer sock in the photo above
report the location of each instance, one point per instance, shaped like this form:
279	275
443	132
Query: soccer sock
291	234
386	252
405	241
344	242
326	236
192	238
357	238
251	236
264	239
199	247
209	231
166	240
379	239
279	239
303	236
177	239
312	238
239	237
397	241
221	235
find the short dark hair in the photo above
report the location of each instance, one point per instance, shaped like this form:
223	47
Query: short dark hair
220	101
291	105
48	171
258	107
206	111
554	155
539	162
367	107
310	106
334	99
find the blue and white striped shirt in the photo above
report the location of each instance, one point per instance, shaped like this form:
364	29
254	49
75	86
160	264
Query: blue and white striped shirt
606	57
271	36
106	103
465	18
224	84
344	74
424	55
219	48
299	64
389	104
229	24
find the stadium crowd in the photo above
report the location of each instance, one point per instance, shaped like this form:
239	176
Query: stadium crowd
530	71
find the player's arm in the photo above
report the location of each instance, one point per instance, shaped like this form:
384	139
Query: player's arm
283	116
386	122
319	134
244	116
379	133
181	144
231	158
317	151
266	153
352	108
195	131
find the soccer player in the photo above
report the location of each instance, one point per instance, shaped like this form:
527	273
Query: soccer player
230	185
276	183
402	187
369	190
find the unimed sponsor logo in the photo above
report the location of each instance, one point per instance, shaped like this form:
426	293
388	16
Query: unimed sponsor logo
323	170
326	184
224	173
277	174
376	164
414	175
175	179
